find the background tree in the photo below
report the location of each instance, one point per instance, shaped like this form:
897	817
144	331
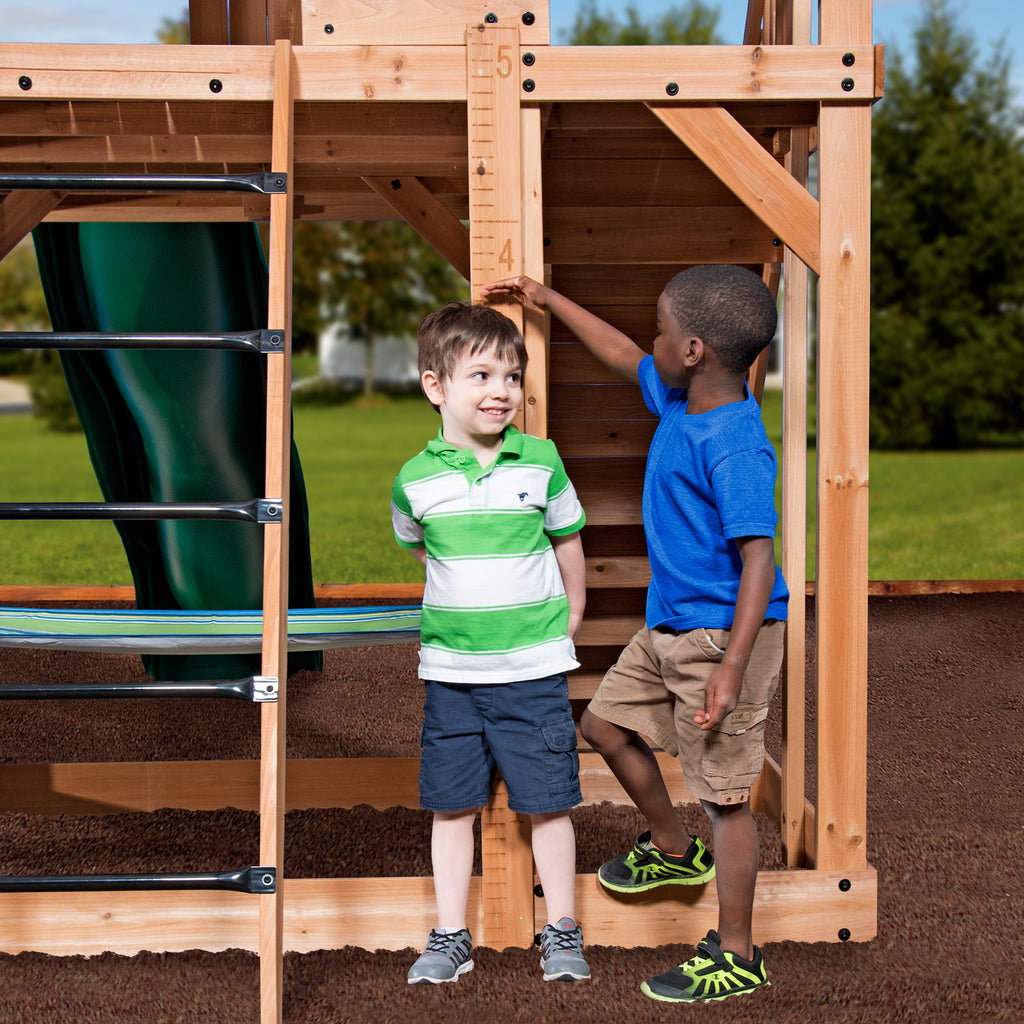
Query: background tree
947	264
376	278
693	24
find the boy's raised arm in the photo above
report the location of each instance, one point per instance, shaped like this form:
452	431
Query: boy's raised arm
616	350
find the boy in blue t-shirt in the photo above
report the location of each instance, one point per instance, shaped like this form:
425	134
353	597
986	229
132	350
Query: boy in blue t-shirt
698	678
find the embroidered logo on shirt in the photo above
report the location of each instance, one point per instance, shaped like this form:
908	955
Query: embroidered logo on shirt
523	495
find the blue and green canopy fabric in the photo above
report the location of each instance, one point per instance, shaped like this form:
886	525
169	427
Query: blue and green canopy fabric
221	632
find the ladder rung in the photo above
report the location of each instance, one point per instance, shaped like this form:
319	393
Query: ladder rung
253	880
243	341
259	689
267	182
255	511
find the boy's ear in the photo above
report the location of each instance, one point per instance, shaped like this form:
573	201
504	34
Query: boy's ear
432	388
695	351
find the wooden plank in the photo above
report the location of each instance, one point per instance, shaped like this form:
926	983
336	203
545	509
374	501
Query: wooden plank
275	544
699	73
765	188
627	438
375	22
248	22
506	861
422	73
412	201
626	234
802	906
284	21
792	822
536	325
208	22
842	466
20	212
394	913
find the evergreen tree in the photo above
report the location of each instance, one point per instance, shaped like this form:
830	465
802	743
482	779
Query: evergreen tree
947	265
693	23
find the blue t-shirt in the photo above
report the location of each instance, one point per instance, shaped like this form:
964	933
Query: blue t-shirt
710	479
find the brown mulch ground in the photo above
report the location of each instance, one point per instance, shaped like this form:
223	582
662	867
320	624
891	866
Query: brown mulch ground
945	833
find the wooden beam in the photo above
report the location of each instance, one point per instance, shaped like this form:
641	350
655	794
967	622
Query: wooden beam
844	160
536	326
394	913
248	22
765	188
424	73
20	212
415	204
208	22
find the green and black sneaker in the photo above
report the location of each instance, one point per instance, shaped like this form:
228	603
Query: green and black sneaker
646	867
712	975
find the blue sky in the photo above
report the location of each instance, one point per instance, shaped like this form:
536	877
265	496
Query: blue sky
136	21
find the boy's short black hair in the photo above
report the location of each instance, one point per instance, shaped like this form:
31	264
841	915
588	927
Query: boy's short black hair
461	328
728	307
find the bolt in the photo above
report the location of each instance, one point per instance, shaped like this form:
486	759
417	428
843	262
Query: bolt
396	184
848	84
328	29
538	891
849	60
529	84
672	89
491	19
776	242
529	17
216	85
844	934
845	885
529	59
25	83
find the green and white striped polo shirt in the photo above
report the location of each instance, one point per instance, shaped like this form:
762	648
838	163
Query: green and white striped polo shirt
494	607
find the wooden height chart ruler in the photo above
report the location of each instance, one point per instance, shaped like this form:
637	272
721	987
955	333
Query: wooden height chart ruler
495	157
496	252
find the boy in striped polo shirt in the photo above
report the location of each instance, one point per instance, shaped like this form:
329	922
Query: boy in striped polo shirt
491	514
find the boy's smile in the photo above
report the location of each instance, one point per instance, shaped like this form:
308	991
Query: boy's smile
477	402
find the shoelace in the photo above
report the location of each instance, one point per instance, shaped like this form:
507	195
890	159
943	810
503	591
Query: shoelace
564	941
442	944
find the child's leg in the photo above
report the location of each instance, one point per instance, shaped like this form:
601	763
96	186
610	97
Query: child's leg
633	763
451	851
736	858
554	853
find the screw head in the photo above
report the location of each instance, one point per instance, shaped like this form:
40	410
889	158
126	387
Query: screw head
529	84
216	85
844	934
529	17
849	60
329	29
845	885
529	59
491	18
672	89
24	83
848	84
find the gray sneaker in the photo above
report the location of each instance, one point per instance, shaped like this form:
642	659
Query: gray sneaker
561	952
446	958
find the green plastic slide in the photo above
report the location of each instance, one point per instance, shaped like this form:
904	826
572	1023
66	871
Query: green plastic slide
176	425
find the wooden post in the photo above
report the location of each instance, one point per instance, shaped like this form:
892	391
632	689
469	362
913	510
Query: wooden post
842	430
496	251
796	28
275	565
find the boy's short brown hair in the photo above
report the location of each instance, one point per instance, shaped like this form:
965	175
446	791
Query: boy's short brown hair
462	328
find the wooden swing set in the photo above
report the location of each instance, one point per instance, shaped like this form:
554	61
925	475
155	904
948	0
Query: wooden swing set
603	170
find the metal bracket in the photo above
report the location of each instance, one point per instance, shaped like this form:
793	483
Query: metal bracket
270	510
271	341
264	689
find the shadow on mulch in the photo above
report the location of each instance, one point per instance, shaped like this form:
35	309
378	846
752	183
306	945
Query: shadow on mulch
945	833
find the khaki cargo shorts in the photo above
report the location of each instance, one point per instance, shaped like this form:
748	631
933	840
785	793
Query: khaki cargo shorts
657	686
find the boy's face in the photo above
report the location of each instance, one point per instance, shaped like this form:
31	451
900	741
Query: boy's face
480	399
673	349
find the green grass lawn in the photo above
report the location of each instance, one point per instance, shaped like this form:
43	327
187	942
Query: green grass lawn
942	515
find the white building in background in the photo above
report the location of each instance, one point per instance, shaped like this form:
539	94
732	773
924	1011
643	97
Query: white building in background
342	358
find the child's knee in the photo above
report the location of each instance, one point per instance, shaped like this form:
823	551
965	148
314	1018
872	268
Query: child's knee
603	736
